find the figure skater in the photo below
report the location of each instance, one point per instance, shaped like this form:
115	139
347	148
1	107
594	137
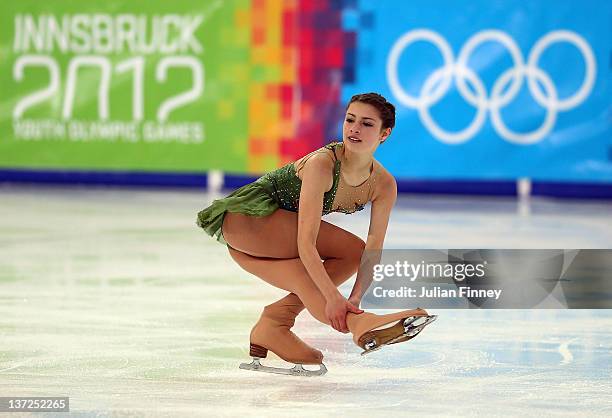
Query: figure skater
273	229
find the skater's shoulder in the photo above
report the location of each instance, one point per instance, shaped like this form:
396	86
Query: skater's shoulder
384	174
320	161
386	185
318	170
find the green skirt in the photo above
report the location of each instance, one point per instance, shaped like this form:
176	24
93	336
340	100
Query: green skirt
254	199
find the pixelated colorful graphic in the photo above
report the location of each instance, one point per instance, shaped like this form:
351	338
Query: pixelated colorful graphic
301	57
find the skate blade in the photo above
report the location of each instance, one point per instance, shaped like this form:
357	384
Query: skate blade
412	330
418	322
297	370
412	327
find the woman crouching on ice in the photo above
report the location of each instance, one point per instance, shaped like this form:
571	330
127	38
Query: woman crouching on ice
273	229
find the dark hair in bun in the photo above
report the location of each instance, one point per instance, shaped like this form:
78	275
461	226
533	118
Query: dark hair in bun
386	109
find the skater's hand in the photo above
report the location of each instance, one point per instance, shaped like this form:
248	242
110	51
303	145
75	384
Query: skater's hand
335	311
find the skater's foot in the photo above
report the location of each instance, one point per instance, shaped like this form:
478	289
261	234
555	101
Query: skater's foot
268	334
370	330
273	332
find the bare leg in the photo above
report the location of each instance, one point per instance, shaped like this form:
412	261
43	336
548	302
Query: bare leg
267	248
287	274
338	269
273	328
278	318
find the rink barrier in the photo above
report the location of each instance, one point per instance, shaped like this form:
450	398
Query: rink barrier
572	190
461	187
104	178
217	180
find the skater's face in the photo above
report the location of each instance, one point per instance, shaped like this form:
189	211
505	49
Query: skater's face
362	129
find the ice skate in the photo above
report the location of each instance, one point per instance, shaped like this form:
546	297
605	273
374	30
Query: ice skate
371	332
258	352
272	332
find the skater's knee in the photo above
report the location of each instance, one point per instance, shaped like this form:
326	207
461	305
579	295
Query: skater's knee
359	246
269	311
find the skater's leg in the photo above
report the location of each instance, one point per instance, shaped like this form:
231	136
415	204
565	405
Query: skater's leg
275	236
278	271
338	269
267	247
342	255
273	329
287	308
288	274
278	318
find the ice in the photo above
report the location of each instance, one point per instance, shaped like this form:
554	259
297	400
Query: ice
115	298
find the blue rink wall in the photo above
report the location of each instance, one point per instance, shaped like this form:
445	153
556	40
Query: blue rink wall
199	180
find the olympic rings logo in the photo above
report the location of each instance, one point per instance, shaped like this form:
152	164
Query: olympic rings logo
439	82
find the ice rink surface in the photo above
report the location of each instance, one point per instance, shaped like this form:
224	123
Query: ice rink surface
115	298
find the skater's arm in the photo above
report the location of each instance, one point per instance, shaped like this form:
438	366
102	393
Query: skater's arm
382	204
317	179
